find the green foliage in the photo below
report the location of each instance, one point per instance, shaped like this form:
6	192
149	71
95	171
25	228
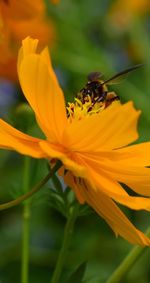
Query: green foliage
78	274
86	40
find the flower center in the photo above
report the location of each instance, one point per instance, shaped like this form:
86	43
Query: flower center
85	105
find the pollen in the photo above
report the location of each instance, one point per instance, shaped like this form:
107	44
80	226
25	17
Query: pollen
84	107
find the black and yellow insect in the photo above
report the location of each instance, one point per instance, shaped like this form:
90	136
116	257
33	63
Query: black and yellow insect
97	89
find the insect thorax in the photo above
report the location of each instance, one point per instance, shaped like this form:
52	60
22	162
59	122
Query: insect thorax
94	89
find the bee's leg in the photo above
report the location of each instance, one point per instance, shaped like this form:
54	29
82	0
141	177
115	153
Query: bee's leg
101	97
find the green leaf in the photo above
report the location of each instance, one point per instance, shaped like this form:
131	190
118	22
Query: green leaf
85	210
57	184
78	274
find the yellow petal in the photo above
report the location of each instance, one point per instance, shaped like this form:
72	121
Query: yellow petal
57	151
140	153
113	189
10	138
93	163
112	128
28	47
137	178
121	166
107	182
108	210
41	89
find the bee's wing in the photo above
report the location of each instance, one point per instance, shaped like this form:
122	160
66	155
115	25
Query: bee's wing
117	80
121	75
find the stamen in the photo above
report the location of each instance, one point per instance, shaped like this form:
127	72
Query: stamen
84	107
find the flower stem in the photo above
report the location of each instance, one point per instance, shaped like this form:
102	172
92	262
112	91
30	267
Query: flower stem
33	190
26	222
127	263
65	244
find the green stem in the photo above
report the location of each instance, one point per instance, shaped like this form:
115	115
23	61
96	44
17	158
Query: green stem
66	241
26	222
33	190
127	263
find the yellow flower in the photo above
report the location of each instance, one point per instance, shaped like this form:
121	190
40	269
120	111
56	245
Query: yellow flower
122	12
92	146
19	19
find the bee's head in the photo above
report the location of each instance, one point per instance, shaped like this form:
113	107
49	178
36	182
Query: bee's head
94	76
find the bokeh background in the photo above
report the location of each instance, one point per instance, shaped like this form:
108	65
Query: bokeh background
83	36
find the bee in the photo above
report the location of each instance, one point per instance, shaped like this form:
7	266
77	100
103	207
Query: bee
97	89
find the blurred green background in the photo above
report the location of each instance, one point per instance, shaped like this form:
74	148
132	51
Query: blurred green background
106	36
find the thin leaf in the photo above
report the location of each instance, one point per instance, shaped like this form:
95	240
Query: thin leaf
78	275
